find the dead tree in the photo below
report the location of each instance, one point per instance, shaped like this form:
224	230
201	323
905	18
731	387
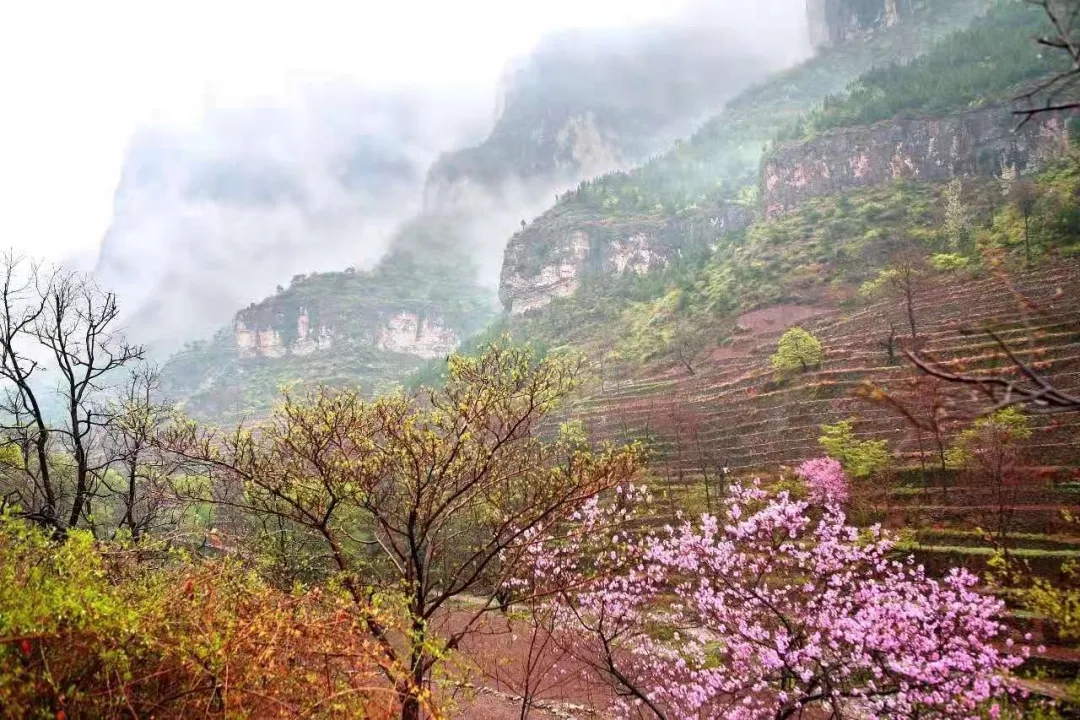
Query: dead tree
1057	92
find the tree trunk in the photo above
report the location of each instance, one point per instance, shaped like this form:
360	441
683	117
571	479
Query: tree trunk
1027	241
909	295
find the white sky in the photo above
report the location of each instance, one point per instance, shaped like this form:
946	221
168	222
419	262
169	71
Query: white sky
77	77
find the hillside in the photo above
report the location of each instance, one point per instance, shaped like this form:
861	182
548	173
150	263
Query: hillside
718	165
438	268
676	204
773	413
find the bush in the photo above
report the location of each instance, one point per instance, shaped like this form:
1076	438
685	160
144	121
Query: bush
102	634
797	350
860	458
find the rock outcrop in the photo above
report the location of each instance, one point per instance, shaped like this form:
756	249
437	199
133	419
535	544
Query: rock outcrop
587	101
833	22
549	258
978	142
410	333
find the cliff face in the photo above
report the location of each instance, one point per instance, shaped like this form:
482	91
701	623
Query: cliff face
549	258
833	22
979	142
587	101
408	333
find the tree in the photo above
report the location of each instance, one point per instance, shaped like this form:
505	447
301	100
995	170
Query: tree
1032	391
686	344
1024	194
902	279
51	320
889	343
137	474
777	611
957	220
419	499
797	350
861	458
990	453
826	480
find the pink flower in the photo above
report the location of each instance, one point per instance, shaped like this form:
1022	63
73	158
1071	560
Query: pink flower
826	480
770	610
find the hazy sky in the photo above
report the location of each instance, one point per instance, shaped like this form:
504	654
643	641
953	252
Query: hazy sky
77	77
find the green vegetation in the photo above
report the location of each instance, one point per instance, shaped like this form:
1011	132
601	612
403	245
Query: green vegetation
987	435
860	458
720	160
988	62
797	351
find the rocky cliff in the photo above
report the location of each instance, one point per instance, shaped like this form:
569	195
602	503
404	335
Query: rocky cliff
978	142
586	101
832	22
550	258
700	189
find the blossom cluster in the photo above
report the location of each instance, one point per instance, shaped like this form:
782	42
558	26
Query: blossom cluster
826	480
769	609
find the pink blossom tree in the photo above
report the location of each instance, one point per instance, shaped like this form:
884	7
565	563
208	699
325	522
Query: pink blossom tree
826	480
766	612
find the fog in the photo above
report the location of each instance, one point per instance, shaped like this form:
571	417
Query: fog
316	170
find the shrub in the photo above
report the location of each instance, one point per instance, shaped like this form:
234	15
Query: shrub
861	458
86	633
797	350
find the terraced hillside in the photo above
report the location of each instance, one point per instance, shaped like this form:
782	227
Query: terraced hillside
734	406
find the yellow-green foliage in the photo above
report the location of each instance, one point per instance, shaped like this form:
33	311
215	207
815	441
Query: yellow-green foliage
650	326
1002	428
1055	215
1058	602
92	634
797	350
949	262
860	458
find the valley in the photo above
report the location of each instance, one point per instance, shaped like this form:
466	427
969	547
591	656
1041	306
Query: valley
714	377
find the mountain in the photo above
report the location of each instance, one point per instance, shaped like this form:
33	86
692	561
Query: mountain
439	270
679	291
639	219
208	216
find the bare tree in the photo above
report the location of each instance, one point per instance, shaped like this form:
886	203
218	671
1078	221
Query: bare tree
59	322
1032	390
137	474
1055	93
902	280
79	328
687	345
25	422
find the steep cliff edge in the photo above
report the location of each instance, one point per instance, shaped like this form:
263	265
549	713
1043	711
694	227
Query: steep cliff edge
979	142
587	101
550	258
712	176
833	22
346	328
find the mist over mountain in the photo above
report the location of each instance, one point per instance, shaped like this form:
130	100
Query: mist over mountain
208	217
211	216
